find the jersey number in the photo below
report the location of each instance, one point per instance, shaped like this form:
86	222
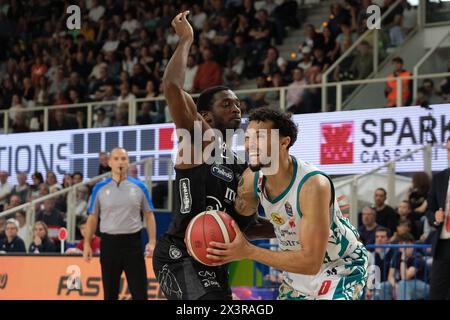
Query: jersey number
325	287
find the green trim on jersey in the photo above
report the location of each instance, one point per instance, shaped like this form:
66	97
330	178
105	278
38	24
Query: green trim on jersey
306	177
255	183
285	192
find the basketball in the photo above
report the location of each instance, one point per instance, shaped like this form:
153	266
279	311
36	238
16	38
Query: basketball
206	227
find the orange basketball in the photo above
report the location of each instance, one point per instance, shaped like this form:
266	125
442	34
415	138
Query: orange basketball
206	227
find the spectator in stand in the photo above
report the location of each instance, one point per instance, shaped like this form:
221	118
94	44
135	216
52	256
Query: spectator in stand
338	16
77	177
362	62
209	72
191	71
330	46
14	201
248	11
38	70
139	80
37	179
391	84
144	116
381	258
63	120
60	83
396	33
313	39
422	98
407	272
369	226
433	96
403	227
404	213
96	12
82	202
386	216
50	215
306	62
130	24
320	60
42	93
103	166
52	181
273	63
346	34
95	242
125	95
198	17
41	242
236	61
108	96
296	91
99	86
67	181
417	194
101	120
21	189
222	39
261	32
12	242
344	70
21	218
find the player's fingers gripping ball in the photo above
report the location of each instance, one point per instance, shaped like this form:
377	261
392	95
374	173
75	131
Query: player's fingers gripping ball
206	227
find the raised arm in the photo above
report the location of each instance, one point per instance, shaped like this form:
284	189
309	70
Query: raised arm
181	106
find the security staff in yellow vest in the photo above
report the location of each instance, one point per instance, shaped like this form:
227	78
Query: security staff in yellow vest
391	84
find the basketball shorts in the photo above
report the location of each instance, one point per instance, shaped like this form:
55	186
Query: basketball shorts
181	277
336	282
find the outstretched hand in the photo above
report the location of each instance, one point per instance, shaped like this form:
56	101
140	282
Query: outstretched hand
182	27
223	253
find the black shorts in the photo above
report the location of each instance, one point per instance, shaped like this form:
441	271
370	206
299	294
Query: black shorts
181	277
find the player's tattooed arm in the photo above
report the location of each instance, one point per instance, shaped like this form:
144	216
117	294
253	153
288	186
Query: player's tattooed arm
246	202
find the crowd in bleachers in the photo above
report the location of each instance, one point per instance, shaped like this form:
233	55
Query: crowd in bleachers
122	48
121	52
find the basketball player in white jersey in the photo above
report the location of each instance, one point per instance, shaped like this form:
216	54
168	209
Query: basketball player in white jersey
321	257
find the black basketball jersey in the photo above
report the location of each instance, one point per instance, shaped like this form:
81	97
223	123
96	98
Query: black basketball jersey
204	187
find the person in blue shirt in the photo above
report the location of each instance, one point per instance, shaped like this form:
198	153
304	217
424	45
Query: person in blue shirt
406	279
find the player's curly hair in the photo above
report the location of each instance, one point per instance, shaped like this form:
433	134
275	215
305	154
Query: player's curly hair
280	120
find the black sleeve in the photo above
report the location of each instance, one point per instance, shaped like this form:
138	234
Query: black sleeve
432	204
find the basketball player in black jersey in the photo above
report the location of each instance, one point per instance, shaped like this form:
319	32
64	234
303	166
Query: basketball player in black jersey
199	186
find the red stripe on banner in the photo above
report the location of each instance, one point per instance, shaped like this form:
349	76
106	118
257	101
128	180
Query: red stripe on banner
165	139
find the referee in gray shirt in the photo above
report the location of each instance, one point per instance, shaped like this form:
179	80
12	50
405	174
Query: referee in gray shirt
119	202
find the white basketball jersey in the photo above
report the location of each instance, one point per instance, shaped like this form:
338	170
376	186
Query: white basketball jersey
286	216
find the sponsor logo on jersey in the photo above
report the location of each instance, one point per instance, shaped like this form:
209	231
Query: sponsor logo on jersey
212	203
292	223
276	218
230	195
185	196
289	243
208	279
174	252
288	208
222	172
